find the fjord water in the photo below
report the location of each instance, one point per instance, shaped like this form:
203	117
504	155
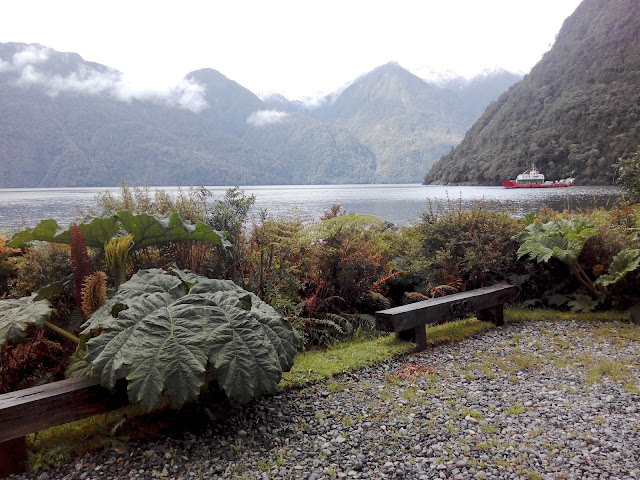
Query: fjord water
400	203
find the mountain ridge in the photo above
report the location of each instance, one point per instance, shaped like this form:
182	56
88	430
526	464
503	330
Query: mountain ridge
68	122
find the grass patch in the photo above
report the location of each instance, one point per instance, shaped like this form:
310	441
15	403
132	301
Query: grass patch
523	362
317	365
456	331
516	409
516	315
621	331
603	367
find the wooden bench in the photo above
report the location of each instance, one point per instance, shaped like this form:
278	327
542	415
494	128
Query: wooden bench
38	408
409	321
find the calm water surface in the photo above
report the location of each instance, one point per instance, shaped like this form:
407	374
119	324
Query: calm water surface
399	204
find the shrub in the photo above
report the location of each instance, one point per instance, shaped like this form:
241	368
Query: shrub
273	259
190	204
461	250
347	255
571	241
41	265
7	266
630	176
195	204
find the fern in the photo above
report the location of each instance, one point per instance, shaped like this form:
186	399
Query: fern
582	304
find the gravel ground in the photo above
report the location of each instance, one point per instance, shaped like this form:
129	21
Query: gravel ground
526	401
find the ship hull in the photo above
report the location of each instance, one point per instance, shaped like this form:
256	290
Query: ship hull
513	184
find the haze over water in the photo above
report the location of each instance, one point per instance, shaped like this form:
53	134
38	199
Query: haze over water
398	204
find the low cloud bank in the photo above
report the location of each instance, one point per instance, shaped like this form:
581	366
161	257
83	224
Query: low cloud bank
188	94
266	117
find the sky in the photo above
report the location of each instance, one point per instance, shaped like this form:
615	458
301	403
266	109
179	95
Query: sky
300	48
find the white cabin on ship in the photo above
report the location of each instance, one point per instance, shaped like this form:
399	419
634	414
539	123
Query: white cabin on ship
530	177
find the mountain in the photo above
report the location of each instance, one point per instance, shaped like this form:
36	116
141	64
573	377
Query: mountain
575	114
69	122
405	121
66	122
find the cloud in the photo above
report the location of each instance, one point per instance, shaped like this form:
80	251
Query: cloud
188	94
266	117
30	55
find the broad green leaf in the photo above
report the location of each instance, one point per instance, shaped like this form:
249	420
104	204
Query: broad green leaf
625	261
147	230
561	239
165	332
55	288
46	230
17	314
98	231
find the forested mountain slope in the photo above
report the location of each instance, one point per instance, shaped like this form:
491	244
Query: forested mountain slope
575	114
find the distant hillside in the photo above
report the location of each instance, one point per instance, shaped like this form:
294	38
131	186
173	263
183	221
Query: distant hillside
69	122
56	131
575	114
406	122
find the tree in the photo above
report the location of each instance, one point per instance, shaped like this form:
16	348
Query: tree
630	176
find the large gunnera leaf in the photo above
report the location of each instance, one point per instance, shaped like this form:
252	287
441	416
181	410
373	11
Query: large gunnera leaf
627	260
561	239
17	314
168	332
145	228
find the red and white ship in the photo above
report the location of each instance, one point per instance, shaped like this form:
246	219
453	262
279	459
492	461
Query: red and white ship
534	179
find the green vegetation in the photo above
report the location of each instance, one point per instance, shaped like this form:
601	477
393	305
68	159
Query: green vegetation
327	277
316	365
174	332
308	292
564	240
574	114
452	250
630	176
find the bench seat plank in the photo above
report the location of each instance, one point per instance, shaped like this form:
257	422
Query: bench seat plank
406	317
409	321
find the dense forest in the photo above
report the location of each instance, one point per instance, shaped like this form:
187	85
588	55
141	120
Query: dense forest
575	114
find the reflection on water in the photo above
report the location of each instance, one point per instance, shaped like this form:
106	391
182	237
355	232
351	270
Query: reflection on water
399	204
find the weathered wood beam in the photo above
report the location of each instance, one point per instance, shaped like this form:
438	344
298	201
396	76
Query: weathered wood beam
408	317
38	408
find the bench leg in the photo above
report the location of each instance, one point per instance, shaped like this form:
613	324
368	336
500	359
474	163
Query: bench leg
416	335
13	457
492	314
